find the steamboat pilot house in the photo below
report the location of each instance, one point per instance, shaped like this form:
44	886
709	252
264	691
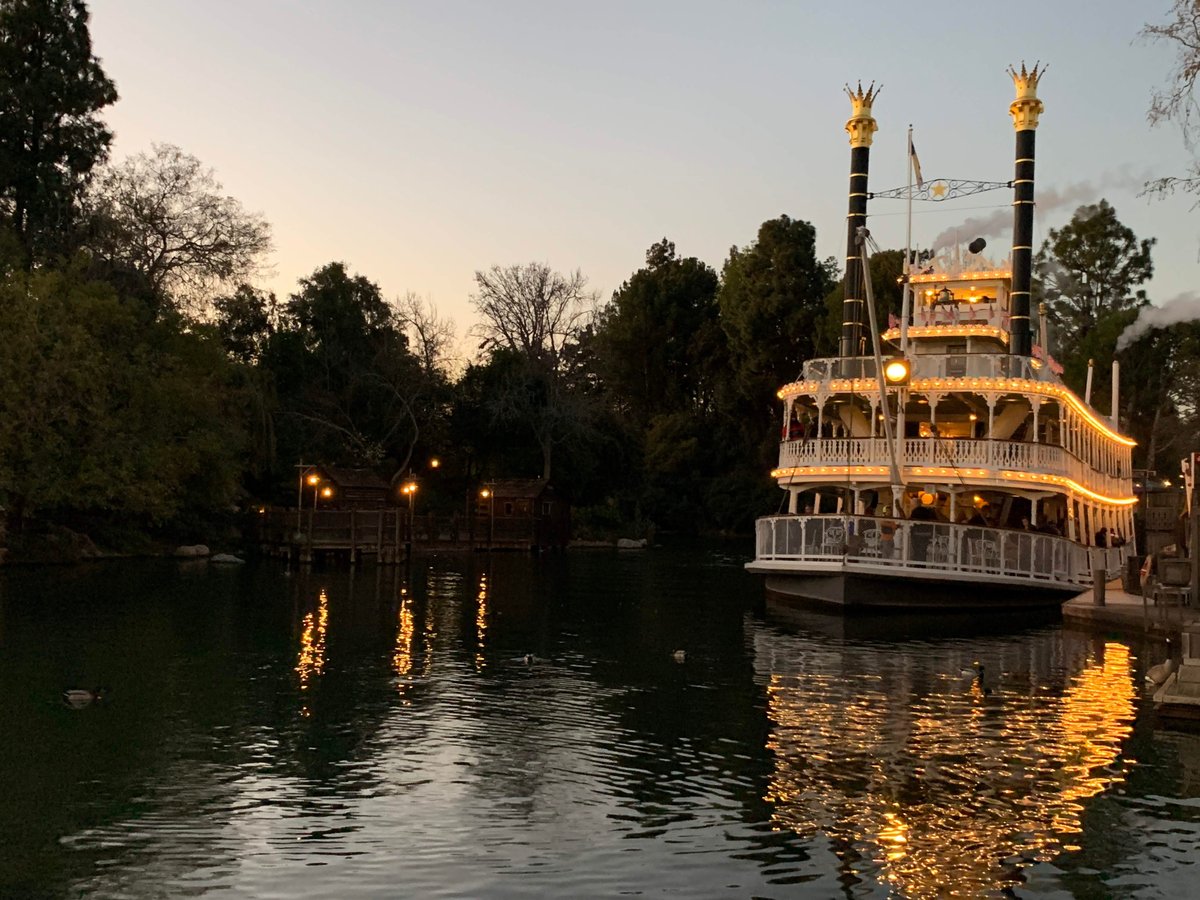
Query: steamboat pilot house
1007	490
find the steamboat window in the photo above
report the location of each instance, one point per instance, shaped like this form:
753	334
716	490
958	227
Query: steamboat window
956	362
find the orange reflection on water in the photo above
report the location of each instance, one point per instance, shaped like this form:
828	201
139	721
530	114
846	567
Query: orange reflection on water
481	621
310	661
409	661
936	787
402	656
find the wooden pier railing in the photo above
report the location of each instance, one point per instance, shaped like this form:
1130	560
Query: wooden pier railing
389	535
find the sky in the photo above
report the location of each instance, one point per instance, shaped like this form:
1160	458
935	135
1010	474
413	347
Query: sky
419	142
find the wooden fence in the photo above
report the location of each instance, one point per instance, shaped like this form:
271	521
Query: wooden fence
390	534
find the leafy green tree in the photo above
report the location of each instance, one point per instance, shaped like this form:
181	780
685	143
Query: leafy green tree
349	388
653	344
245	321
772	302
1091	268
51	89
104	412
887	270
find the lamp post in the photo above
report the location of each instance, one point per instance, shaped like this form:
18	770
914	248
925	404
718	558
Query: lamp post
307	474
410	490
313	479
488	495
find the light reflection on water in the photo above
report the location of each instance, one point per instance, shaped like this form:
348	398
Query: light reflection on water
928	780
376	734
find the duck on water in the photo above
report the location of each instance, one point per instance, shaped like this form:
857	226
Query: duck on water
78	698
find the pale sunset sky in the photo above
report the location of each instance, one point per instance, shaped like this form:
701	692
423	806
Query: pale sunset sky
419	142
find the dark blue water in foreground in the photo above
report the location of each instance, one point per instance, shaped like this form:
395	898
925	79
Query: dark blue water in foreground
376	735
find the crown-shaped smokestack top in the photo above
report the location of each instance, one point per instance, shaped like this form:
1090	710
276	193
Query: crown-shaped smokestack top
861	125
1026	107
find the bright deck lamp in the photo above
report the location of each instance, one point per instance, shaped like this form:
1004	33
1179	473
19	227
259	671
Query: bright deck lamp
897	372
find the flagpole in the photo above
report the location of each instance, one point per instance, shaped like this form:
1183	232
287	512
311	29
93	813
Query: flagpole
906	295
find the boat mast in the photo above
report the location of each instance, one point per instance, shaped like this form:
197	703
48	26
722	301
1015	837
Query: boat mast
897	484
906	301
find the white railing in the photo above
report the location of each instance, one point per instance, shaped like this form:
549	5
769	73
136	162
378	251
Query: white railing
924	546
931	365
957	453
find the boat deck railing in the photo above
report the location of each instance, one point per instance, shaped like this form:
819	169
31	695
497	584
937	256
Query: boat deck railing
954	453
934	546
932	365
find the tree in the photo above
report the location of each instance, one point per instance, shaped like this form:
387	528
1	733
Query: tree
164	216
430	336
1176	101
772	302
1091	268
104	412
887	269
532	310
51	89
533	313
349	388
653	344
245	321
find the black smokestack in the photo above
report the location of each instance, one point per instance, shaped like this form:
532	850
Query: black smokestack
1024	110
861	127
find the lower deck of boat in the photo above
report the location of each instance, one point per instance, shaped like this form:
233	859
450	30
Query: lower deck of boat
851	590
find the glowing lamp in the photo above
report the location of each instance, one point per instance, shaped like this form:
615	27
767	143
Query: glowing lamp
314	479
897	371
485	493
927	498
326	492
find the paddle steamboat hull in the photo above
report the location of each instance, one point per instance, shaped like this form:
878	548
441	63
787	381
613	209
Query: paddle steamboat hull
871	562
851	586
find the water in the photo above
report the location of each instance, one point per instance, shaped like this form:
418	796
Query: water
314	735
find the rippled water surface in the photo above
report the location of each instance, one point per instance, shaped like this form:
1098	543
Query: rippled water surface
324	734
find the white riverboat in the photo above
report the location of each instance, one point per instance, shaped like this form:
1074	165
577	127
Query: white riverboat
972	478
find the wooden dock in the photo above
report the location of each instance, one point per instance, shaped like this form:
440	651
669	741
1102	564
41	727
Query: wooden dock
1129	612
389	535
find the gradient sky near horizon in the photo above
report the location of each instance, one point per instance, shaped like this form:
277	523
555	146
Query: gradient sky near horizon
421	141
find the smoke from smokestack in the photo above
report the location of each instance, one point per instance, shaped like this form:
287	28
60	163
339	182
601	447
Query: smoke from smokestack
1048	200
1184	308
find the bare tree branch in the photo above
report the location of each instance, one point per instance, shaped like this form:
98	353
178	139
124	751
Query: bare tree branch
532	310
429	336
163	215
